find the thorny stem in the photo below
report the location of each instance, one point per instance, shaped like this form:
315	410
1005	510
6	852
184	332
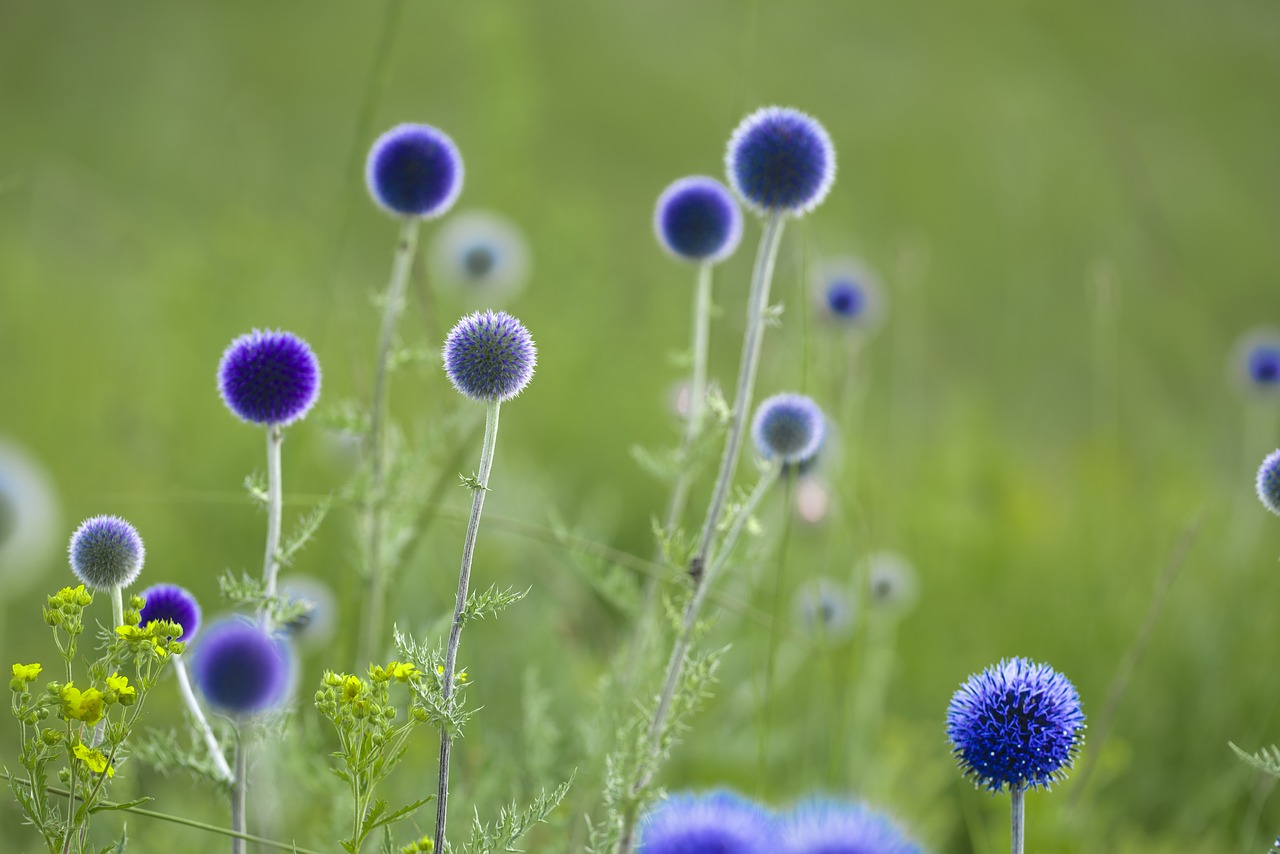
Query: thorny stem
239	819
275	501
455	632
1019	818
202	723
376	579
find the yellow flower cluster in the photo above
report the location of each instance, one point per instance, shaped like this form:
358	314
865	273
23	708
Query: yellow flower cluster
425	845
86	706
94	759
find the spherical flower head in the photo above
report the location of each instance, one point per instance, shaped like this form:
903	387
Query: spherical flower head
1254	366
788	428
1015	724
781	161
414	171
270	378
489	356
175	604
848	294
720	822
480	256
836	827
1268	483
697	219
825	610
106	552
240	668
1264	365
891	582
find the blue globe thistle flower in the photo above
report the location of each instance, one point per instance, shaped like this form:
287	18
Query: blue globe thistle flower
173	603
489	356
788	428
720	822
29	527
697	219
781	160
849	294
414	170
1255	362
836	827
1268	483
1263	364
1015	724
825	610
240	668
480	256
106	552
270	378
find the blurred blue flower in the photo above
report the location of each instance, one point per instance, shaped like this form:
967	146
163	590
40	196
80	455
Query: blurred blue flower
825	610
788	428
29	528
1015	724
781	160
173	603
480	256
414	170
718	822
489	356
314	627
835	827
240	668
697	219
891	582
1268	483
106	552
269	378
849	294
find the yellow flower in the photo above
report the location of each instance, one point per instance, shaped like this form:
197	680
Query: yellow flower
125	692
401	671
95	759
352	688
80	705
130	633
460	676
26	672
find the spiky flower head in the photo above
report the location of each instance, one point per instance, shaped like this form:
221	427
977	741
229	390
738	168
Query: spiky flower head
270	378
781	160
697	219
489	356
174	604
414	170
720	822
1015	724
240	668
825	826
479	256
106	552
1268	483
788	428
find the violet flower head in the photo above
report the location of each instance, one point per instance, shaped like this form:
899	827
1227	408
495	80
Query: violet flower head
106	552
270	378
697	219
175	604
240	668
414	170
719	822
1268	482
836	827
1016	724
781	160
489	356
788	428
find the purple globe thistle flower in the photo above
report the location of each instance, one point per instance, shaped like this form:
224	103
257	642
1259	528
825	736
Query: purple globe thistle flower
697	219
1268	483
481	256
240	668
789	428
781	161
836	827
270	378
173	603
1254	365
720	822
1263	364
489	356
1015	724
414	171
106	552
848	293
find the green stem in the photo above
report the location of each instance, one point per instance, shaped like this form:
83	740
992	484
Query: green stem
275	502
71	791
1019	819
117	607
459	611
771	654
697	397
239	819
376	579
202	723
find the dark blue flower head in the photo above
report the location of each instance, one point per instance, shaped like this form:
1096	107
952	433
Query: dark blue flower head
173	603
489	356
846	298
697	219
719	822
788	428
269	378
240	668
414	170
781	160
1268	483
106	552
1015	724
481	256
836	827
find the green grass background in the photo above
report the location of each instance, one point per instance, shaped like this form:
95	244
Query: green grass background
1074	210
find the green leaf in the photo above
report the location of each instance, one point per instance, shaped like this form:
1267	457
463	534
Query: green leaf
1266	760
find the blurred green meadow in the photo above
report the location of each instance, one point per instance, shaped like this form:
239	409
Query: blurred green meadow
1073	209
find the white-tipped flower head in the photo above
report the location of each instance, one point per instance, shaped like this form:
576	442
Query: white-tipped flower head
106	552
781	161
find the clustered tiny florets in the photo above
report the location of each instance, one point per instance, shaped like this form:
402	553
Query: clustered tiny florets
1016	724
240	668
781	160
720	821
106	552
414	170
489	356
788	428
835	827
270	378
697	219
1268	483
173	604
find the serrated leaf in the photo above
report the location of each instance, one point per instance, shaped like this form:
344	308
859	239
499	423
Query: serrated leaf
1266	760
306	530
